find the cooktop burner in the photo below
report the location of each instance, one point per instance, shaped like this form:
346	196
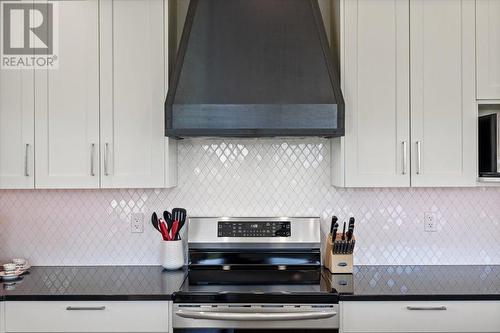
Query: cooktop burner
268	286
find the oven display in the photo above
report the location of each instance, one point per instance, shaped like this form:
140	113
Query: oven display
254	229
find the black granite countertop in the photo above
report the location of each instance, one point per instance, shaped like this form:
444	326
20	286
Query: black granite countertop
392	283
368	283
94	283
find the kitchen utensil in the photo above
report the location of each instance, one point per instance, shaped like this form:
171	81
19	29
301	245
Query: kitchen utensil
350	232
154	221
164	230
351	223
175	230
343	232
332	224
168	217
334	237
180	215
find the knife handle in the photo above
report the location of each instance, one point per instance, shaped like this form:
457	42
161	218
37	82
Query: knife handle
332	223
334	232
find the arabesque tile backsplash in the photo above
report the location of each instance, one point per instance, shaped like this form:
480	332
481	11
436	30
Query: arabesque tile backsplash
251	177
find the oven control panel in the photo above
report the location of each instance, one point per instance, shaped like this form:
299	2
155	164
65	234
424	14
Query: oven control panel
254	229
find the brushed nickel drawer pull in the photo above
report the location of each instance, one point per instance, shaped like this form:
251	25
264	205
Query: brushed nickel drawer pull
427	308
85	308
92	155
106	153
405	157
26	167
419	157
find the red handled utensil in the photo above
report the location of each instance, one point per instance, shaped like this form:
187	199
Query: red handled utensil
164	230
175	229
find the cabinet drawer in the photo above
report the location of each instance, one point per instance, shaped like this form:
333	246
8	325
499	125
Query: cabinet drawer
372	317
86	316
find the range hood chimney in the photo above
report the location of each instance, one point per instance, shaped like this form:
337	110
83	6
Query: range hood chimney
254	68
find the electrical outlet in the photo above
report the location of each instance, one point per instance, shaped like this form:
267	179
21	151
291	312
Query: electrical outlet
430	222
137	222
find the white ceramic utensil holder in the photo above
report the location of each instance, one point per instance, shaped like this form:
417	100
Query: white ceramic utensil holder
172	254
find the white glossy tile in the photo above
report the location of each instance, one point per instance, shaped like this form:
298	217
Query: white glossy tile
251	177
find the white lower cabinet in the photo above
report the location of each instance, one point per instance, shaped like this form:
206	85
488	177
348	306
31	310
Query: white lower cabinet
450	316
2	318
102	317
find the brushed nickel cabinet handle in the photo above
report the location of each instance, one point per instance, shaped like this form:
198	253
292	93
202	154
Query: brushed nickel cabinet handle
92	156
405	157
85	308
427	308
26	157
106	153
419	157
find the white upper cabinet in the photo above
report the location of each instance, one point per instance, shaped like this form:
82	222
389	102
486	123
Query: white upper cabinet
409	85
134	150
488	48
443	107
67	103
16	129
375	84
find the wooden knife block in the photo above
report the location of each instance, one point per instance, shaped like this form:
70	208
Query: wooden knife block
338	263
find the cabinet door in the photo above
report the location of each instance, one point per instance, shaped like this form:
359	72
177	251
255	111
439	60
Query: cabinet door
443	110
67	103
133	91
16	129
2	317
488	48
376	90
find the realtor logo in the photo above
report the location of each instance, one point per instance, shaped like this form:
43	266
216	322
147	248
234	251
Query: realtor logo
29	33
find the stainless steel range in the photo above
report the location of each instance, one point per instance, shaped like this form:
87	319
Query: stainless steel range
255	273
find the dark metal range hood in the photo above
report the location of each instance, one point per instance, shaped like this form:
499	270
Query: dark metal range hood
254	68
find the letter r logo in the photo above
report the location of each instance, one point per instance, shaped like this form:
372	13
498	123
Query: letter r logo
27	28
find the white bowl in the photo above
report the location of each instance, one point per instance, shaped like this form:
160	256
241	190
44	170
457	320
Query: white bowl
9	267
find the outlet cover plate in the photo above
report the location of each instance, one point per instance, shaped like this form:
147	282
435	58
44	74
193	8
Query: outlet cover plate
137	222
430	222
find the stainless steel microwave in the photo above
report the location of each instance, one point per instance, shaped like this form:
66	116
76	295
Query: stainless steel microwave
489	144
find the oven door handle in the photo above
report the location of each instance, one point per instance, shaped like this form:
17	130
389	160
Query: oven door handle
255	316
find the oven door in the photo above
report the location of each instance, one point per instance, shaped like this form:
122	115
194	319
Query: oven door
244	318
